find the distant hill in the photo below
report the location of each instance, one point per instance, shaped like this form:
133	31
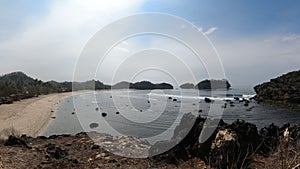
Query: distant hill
16	78
18	83
285	88
121	85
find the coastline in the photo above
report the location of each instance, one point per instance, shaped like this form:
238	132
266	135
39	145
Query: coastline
29	116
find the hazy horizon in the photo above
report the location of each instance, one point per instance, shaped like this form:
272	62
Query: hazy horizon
256	41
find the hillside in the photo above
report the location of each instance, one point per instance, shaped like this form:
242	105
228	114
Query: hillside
17	86
285	88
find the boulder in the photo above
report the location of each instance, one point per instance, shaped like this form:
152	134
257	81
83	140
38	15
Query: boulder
207	100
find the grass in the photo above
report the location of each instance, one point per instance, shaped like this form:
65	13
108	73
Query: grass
286	156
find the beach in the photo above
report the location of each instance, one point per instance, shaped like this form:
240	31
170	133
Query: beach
29	116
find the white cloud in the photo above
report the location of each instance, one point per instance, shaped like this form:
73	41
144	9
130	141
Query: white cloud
211	30
252	60
290	37
56	40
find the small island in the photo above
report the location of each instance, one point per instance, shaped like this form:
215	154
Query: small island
208	85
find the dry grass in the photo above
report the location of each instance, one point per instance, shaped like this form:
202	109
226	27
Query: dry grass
1	165
287	156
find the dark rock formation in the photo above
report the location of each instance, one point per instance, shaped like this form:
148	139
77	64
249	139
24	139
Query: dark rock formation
145	85
14	141
94	125
207	100
285	88
55	151
187	86
213	84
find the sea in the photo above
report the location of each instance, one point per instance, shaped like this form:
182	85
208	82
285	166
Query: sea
151	114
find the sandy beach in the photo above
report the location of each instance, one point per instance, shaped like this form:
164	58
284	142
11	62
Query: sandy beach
29	116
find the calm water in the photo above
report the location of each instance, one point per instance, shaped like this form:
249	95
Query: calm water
151	114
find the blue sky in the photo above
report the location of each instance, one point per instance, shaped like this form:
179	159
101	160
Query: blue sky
256	40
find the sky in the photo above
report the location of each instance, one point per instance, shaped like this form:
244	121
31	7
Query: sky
255	40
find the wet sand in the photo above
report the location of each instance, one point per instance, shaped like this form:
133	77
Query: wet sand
29	116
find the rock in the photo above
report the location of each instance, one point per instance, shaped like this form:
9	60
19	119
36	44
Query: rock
55	152
213	84
270	139
224	149
145	85
170	98
174	100
104	114
94	125
187	86
234	145
207	100
222	137
185	140
97	108
285	89
236	98
14	141
117	112
95	146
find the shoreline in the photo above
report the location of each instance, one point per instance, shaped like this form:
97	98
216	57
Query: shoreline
29	116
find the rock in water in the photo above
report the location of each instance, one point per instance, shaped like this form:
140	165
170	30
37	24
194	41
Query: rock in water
94	125
207	100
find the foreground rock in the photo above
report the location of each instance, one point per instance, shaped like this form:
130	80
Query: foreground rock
236	145
285	88
230	146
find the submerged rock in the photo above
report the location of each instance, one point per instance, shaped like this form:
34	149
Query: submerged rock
94	125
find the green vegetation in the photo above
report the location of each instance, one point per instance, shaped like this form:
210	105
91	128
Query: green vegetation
18	85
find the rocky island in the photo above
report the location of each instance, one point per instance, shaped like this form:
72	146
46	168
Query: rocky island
208	85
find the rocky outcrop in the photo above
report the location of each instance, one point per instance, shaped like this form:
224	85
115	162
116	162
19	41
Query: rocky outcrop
285	88
145	85
187	86
213	84
229	146
208	85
